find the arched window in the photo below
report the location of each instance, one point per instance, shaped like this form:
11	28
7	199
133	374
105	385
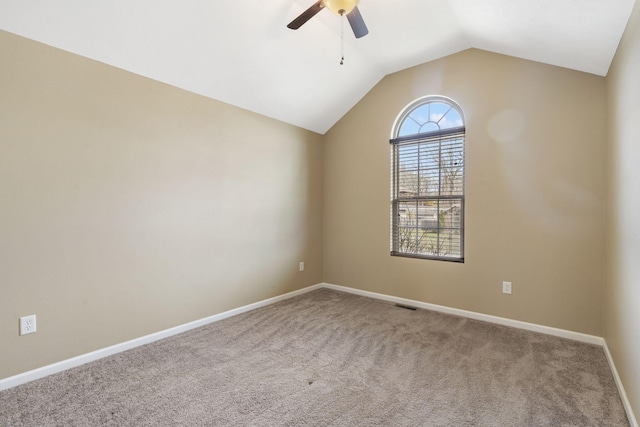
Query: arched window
427	170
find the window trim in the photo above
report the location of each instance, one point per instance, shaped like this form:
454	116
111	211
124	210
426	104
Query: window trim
396	141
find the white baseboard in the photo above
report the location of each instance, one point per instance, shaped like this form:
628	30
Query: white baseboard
118	348
623	394
576	336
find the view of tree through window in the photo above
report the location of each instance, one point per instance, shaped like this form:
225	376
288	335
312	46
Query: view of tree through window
428	181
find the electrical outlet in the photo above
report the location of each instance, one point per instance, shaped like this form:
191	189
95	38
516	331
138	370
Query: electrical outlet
301	266
27	324
506	288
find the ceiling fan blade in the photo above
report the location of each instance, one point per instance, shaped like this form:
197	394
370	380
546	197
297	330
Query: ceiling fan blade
306	15
357	23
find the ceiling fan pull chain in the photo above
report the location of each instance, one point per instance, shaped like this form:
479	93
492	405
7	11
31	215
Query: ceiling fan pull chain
342	39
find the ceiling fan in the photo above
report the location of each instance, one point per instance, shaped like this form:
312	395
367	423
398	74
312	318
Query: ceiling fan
339	7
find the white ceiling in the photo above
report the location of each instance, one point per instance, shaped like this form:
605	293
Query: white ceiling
241	52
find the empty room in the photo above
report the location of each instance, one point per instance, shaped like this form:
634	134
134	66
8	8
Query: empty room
327	213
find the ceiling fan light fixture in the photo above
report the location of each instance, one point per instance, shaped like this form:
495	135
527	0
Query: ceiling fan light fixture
341	7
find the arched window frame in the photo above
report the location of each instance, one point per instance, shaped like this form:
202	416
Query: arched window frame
427	181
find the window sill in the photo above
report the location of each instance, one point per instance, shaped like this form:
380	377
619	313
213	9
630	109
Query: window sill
433	258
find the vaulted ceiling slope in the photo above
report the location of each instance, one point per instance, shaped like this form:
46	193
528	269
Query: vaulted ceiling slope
242	53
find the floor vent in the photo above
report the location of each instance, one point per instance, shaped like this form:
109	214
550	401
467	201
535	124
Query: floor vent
406	307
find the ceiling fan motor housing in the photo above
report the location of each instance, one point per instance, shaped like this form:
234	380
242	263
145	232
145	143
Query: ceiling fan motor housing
340	7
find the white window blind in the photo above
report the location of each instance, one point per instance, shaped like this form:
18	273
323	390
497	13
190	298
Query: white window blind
427	206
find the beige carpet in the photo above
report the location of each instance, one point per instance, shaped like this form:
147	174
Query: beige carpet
328	358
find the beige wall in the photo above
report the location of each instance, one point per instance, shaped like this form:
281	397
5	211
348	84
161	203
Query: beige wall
535	185
622	287
128	206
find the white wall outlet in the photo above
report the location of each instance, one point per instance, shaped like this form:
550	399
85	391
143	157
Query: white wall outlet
506	288
301	266
27	324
